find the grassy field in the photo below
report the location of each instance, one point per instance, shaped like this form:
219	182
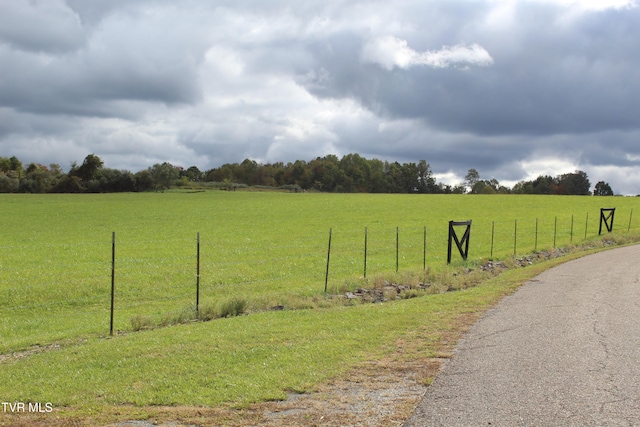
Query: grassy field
268	248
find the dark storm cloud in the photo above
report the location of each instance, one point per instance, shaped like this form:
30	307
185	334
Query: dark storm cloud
507	87
562	78
551	75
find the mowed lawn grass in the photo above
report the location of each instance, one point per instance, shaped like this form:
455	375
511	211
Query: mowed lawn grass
266	247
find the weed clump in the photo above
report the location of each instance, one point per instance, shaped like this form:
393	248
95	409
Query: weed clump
232	307
140	322
228	307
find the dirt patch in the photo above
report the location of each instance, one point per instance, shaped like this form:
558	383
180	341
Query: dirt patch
35	349
17	355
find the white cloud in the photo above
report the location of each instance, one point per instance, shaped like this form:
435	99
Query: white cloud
551	166
390	52
623	180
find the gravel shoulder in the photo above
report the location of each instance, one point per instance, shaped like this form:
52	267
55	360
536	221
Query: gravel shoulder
562	350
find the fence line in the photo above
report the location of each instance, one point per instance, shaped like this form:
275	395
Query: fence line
148	271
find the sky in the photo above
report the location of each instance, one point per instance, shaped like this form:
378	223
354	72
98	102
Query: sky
514	89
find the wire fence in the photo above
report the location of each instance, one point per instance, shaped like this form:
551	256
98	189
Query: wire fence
43	281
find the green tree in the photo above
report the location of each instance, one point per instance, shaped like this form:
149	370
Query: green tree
8	184
377	177
247	171
5	164
143	181
471	179
395	179
356	170
523	187
89	168
478	187
163	175
576	183
426	181
193	174
602	189
458	189
38	179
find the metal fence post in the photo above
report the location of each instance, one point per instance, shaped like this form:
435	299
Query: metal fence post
586	226
326	276
493	230
424	249
571	238
515	237
198	273
113	278
366	235
397	247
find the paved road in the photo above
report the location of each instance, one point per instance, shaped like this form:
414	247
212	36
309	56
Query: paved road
564	350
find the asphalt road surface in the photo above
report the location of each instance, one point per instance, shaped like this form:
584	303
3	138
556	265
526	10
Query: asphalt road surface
564	350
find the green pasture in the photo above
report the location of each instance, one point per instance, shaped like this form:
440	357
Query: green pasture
240	360
269	248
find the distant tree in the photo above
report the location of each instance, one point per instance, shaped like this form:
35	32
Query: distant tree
16	164
112	181
296	174
56	169
356	170
488	189
426	181
12	168
8	184
89	168
246	172
220	174
542	184
163	175
410	175
471	179
478	187
459	189
193	174
395	179
602	189
576	183
10	174
69	184
38	179
377	176
143	181
5	164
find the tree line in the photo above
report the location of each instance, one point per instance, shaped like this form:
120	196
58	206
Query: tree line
349	174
